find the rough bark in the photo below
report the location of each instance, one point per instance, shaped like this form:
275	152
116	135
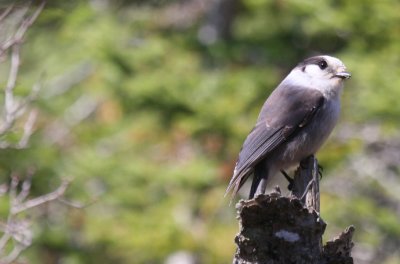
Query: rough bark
276	229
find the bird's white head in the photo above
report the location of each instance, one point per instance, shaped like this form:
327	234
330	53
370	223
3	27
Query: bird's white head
324	73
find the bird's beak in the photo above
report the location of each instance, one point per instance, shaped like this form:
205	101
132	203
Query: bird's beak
343	74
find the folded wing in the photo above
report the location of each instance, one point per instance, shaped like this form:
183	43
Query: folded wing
285	113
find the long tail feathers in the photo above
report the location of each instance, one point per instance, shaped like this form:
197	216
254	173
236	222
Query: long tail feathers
254	185
237	181
260	176
239	178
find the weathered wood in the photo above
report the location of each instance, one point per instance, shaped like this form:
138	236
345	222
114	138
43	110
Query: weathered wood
338	250
276	229
306	183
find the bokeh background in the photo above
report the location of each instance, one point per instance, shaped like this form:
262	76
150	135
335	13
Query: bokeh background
145	105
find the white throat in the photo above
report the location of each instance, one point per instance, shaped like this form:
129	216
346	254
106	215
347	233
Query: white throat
329	87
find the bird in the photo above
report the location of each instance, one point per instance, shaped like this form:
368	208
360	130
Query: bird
294	122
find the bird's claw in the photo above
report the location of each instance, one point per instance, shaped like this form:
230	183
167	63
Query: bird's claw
320	170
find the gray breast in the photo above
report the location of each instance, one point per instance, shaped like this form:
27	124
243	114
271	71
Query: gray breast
308	140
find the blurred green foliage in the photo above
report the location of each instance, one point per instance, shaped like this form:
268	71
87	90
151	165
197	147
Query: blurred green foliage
147	119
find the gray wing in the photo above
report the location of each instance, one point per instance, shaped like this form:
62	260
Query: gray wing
283	115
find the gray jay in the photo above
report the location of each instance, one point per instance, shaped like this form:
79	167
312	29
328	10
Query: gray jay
293	123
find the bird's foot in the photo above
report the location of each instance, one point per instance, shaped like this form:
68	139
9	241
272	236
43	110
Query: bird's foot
289	179
320	170
304	165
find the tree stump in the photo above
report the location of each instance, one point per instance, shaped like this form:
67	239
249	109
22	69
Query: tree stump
276	229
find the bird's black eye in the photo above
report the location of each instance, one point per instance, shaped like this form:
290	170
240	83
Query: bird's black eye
322	65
